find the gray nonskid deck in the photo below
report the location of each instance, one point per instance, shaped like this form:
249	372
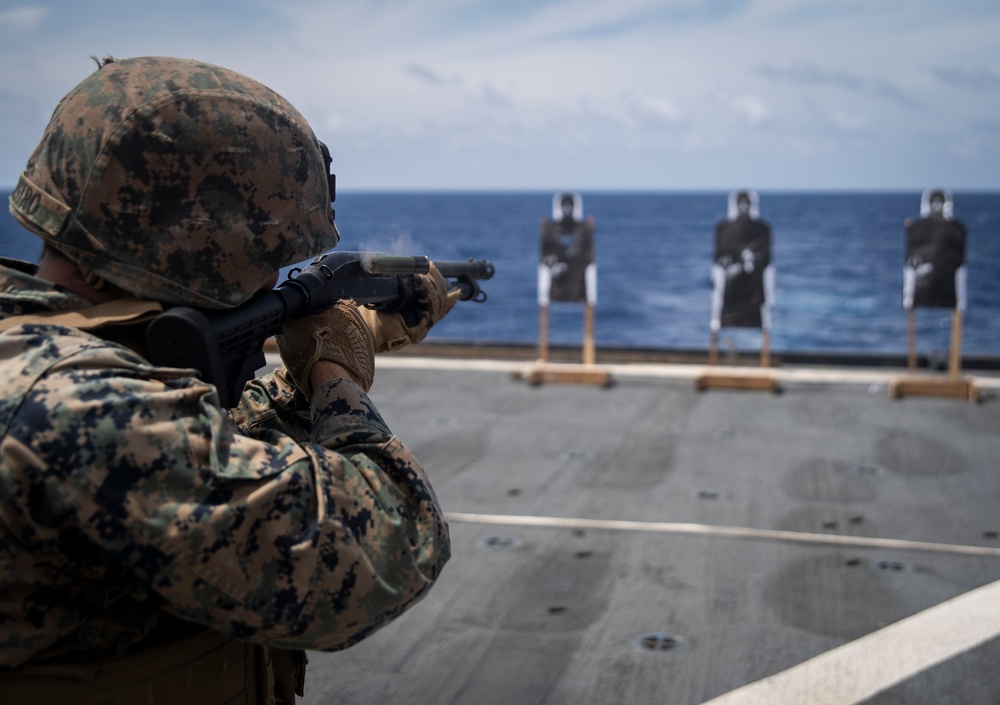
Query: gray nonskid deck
670	608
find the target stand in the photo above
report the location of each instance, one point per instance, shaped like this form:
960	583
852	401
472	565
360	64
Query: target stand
954	386
732	379
546	372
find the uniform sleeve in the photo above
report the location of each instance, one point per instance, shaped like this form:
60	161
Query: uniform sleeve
273	401
301	542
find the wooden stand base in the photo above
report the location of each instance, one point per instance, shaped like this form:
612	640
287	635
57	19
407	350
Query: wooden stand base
919	386
714	380
543	373
589	354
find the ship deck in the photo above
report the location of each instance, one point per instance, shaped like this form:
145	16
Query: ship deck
644	542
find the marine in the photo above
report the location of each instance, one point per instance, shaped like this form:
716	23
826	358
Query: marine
154	546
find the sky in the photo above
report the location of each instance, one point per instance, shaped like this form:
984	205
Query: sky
515	95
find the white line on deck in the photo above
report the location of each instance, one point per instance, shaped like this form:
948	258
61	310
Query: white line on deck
731	532
860	669
670	371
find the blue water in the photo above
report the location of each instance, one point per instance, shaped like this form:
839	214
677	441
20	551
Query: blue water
838	261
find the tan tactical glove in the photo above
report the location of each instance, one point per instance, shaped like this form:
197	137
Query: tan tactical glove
397	330
338	334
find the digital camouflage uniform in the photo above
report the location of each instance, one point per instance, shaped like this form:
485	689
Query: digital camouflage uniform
127	493
130	501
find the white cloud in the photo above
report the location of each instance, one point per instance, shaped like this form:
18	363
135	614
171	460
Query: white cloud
967	148
493	98
23	18
976	78
336	121
848	121
430	76
656	105
807	74
804	147
751	107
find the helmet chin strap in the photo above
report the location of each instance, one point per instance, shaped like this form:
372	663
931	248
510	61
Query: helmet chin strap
94	281
116	312
58	268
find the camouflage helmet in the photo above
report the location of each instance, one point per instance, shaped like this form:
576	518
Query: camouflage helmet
178	181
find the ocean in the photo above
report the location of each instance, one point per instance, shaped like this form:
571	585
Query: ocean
838	261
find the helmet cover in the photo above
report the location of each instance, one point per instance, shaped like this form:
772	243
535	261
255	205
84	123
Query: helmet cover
178	181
